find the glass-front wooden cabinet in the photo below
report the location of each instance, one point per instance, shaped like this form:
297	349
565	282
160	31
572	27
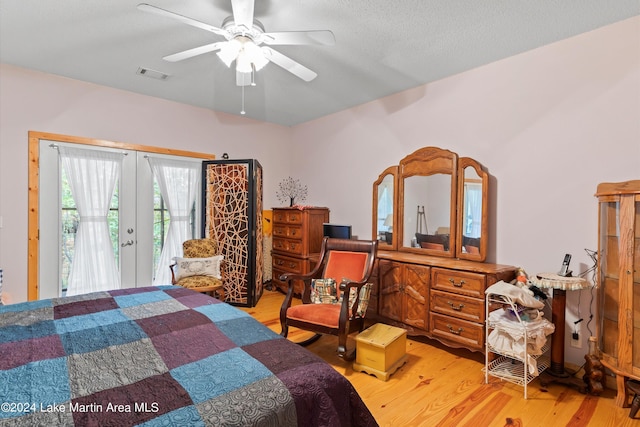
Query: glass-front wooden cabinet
619	281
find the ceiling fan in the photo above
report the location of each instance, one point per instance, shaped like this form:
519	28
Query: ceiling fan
247	43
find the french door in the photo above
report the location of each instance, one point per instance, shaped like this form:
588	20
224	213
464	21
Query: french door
137	219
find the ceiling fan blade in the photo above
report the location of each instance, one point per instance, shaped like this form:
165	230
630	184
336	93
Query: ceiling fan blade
319	37
189	21
289	64
243	12
190	53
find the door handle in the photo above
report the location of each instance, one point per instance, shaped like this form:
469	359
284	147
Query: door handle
127	243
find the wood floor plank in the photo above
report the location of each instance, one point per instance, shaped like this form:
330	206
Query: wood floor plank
494	401
440	386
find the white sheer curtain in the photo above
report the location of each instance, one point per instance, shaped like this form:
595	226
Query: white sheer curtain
92	176
178	181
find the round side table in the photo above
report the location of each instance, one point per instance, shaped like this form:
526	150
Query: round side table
560	286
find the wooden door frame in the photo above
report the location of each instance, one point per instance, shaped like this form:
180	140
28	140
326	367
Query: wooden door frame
33	234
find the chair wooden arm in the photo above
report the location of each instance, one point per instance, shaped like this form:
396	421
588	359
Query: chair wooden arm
345	288
290	278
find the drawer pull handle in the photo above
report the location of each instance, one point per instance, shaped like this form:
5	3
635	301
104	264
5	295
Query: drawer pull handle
292	264
280	262
457	285
456	307
455	332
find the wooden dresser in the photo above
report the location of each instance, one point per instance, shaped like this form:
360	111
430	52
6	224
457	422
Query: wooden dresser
437	297
297	238
431	219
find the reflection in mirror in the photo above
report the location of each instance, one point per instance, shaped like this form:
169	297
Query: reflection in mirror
471	240
472	212
427	212
384	224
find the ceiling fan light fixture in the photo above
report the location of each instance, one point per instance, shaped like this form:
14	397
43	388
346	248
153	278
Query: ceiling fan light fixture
255	54
250	56
229	51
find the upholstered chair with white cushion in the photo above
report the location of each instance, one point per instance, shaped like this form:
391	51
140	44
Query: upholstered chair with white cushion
200	268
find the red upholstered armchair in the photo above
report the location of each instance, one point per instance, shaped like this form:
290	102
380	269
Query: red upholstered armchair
337	306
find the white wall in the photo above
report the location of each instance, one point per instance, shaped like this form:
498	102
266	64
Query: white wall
549	125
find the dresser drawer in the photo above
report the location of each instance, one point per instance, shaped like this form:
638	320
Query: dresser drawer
459	282
286	230
298	286
459	306
287	245
293	216
290	265
467	334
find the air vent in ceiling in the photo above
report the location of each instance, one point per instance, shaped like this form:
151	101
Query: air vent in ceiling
148	72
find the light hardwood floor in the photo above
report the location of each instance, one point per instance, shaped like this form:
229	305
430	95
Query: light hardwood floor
439	386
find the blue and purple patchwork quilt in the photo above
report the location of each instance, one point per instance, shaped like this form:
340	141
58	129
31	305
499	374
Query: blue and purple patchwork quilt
161	356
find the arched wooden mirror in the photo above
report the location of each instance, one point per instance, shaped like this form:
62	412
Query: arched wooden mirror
384	208
427	202
473	188
433	203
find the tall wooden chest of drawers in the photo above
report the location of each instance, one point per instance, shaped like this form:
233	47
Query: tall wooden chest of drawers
297	238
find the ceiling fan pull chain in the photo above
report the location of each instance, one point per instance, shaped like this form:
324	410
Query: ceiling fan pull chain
242	111
253	74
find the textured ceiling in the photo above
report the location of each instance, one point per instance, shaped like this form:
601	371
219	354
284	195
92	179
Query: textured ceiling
382	46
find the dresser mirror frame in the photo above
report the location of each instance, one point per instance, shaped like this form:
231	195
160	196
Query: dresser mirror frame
418	225
385	206
473	180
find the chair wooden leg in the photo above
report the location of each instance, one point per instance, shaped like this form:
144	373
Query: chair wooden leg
342	346
284	329
347	355
635	405
634	387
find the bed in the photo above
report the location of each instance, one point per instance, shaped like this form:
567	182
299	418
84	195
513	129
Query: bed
161	355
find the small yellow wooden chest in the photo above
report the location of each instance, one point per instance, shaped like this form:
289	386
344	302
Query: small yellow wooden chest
381	350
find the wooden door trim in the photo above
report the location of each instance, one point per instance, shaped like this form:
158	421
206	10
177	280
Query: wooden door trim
33	234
